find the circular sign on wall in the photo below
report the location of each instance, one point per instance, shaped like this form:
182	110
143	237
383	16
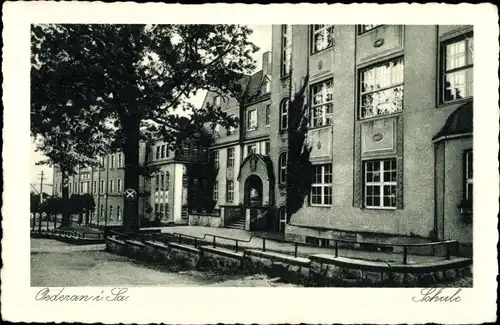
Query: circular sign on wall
320	65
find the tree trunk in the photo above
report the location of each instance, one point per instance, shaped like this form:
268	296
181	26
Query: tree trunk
131	182
65	221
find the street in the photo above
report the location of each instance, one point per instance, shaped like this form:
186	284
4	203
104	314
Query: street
57	264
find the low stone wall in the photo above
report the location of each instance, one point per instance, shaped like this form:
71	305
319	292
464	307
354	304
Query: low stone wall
204	220
317	270
67	239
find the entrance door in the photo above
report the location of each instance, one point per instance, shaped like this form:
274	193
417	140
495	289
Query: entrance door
282	219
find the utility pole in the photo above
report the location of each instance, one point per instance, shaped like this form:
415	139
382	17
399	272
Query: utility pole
41	201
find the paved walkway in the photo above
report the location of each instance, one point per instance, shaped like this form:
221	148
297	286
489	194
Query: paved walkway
303	251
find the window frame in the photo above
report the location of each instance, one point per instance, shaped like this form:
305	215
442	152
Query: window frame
118	185
229	191
215	191
393	85
101	186
111	186
286	50
313	41
215	157
267	147
326	118
381	183
468	37
158	151
284	109
268	115
251	127
230	157
283	168
362	30
322	185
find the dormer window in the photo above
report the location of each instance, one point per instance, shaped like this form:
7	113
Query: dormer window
217	101
266	86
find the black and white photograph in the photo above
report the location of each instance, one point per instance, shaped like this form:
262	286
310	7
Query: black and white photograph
265	155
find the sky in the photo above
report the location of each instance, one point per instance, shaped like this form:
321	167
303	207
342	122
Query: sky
261	37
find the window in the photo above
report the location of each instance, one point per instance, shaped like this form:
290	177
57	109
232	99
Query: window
321	188
230	157
252	148
364	28
321	103
216	131
102	162
217	101
162	181
457	77
118	185
284	114
167	151
69	190
252	119
382	89
322	37
230	191
120	160
101	186
266	87
282	168
215	158
380	183
216	191
102	211
111	212
286	49
110	186
268	148
112	161
94	186
468	175
158	152
268	115
118	213
163	151
167	180
75	187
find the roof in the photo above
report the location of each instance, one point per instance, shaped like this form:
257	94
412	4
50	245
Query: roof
253	88
459	122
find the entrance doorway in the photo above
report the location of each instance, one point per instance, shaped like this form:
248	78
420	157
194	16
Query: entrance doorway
253	192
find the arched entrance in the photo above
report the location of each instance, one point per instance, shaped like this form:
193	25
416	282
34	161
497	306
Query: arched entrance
253	191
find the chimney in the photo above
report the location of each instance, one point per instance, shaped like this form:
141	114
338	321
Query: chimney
266	63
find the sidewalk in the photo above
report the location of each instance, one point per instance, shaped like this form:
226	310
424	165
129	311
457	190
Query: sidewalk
288	248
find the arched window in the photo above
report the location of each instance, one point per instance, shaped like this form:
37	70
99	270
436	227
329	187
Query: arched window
118	213
111	212
282	167
284	114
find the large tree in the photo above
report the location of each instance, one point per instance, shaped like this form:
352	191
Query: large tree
121	80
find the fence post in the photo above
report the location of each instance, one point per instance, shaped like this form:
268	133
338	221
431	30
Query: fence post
236	248
295	252
263	244
214	242
336	248
166	239
457	248
180	238
196	242
448	250
405	254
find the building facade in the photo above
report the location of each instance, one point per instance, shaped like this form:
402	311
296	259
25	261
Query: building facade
389	111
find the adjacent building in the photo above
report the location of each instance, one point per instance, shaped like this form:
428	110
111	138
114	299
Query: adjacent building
390	138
